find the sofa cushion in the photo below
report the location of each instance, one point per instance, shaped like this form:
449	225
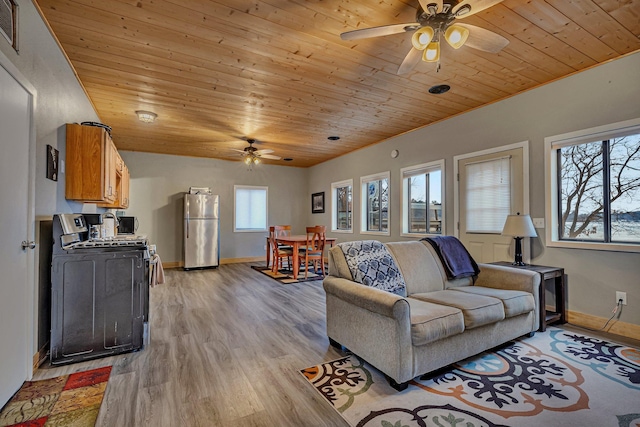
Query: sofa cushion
371	264
514	302
477	310
431	322
419	267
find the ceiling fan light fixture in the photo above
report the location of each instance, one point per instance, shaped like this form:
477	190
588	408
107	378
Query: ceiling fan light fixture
456	36
422	37
432	52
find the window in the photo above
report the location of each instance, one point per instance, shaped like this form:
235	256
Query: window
250	204
488	195
375	203
342	206
422	190
595	186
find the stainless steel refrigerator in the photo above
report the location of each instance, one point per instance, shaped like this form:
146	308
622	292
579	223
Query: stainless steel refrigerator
201	231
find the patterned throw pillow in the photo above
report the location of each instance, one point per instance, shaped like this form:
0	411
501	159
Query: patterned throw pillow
372	265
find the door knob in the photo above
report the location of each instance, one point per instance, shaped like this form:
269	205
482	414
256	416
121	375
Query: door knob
28	245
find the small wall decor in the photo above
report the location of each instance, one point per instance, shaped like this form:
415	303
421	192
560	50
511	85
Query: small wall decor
52	163
8	13
317	202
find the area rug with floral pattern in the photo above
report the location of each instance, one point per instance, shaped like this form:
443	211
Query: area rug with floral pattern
68	400
556	378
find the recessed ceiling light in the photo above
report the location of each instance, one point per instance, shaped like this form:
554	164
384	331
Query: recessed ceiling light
333	138
439	89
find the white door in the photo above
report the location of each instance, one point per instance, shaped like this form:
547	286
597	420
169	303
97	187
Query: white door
16	264
510	164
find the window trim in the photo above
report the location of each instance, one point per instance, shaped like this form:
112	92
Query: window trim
334	203
551	146
235	204
363	203
418	170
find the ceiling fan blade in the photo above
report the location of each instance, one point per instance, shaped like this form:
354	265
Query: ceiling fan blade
410	61
483	39
239	151
475	5
425	5
263	151
269	156
384	30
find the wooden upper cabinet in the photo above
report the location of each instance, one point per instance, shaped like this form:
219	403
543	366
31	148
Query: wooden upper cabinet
122	187
91	165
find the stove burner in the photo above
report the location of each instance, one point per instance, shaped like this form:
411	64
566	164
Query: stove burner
139	242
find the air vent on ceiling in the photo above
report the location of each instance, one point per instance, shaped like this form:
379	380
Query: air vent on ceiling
8	21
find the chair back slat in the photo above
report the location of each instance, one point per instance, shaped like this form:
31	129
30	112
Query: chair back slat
316	238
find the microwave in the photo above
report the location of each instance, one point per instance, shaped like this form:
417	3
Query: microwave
127	224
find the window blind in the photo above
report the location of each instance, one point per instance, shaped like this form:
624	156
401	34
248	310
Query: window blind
488	198
251	208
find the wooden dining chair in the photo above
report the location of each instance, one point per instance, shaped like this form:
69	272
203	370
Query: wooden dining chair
279	251
313	250
278	254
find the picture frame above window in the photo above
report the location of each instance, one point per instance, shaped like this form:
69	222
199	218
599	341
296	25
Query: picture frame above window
317	202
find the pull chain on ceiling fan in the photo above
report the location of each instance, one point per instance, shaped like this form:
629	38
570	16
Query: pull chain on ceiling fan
436	19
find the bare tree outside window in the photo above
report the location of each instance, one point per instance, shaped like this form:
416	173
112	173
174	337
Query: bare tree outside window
344	208
600	190
377	205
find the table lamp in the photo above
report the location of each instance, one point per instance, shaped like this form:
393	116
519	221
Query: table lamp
519	226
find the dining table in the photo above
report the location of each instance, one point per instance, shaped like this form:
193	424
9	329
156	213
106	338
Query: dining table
295	241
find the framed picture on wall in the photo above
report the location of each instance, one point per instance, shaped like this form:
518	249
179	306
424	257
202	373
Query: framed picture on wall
317	202
52	163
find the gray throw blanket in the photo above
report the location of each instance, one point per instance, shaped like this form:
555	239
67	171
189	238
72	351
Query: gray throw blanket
372	265
457	261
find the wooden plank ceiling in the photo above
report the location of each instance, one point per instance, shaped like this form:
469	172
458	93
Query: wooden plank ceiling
218	71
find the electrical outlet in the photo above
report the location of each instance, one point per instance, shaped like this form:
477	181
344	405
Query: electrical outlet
538	222
621	296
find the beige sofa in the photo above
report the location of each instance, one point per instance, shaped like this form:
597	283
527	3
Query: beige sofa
438	322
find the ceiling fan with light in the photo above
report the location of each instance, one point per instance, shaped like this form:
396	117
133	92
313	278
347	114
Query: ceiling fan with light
437	19
251	155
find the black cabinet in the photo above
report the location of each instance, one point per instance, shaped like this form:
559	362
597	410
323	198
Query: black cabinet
98	302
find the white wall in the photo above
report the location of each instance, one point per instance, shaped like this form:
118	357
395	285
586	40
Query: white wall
60	99
605	94
158	184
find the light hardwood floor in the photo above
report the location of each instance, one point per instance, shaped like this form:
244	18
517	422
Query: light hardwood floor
226	346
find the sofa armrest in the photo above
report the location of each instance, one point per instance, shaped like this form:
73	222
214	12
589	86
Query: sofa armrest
374	324
503	277
372	299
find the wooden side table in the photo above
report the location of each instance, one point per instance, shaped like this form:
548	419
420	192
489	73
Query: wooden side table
549	276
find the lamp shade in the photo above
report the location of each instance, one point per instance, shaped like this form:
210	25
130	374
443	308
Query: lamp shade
422	37
456	36
432	52
519	226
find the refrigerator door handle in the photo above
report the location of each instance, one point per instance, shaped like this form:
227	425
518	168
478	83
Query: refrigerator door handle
187	217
